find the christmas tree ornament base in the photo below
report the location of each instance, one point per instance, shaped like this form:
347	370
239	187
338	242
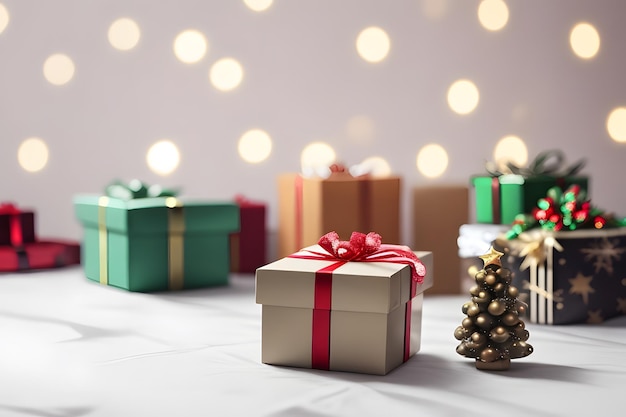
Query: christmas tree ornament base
499	365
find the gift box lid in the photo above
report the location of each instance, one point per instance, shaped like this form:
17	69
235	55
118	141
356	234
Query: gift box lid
517	179
539	235
150	215
475	239
376	287
511	179
245	202
586	233
341	176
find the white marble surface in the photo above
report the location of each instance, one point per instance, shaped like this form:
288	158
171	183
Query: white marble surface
70	347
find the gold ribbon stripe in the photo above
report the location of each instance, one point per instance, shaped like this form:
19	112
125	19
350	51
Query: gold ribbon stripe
175	243
102	240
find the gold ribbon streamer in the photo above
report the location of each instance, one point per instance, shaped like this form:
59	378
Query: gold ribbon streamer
175	243
537	249
542	292
534	246
102	240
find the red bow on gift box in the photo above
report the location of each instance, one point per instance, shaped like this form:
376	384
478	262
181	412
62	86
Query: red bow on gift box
14	219
365	248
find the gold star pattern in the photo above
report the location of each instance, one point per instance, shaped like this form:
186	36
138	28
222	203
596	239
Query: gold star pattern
492	257
580	285
603	253
621	305
594	317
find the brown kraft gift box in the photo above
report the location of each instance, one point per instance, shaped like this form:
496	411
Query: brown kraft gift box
438	212
309	207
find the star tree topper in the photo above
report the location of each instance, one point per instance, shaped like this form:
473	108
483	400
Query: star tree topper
492	257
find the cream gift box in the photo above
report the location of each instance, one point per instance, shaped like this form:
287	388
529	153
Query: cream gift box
368	318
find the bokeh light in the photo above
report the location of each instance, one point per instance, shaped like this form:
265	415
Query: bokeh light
510	149
226	74
463	96
584	40
316	157
258	5
373	44
255	146
434	9
361	130
163	157
616	124
32	155
124	34
58	69
432	160
376	166
493	14
190	46
4	18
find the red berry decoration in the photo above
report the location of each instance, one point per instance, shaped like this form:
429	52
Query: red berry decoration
564	210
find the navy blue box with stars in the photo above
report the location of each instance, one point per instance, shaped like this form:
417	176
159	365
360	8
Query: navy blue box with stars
569	277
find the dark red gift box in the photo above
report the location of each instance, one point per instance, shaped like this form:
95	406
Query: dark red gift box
248	247
39	255
16	226
20	250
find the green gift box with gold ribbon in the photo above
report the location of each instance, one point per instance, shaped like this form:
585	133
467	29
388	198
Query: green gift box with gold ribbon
499	196
157	243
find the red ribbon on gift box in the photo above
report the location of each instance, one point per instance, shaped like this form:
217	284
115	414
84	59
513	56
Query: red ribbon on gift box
14	222
495	200
360	248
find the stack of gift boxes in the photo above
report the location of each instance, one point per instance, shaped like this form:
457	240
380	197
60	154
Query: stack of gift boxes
351	305
345	305
568	257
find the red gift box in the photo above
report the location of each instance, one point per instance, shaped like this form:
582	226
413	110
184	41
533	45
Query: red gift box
16	226
19	248
248	247
39	255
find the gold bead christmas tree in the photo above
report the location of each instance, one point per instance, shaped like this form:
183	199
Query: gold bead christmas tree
493	332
